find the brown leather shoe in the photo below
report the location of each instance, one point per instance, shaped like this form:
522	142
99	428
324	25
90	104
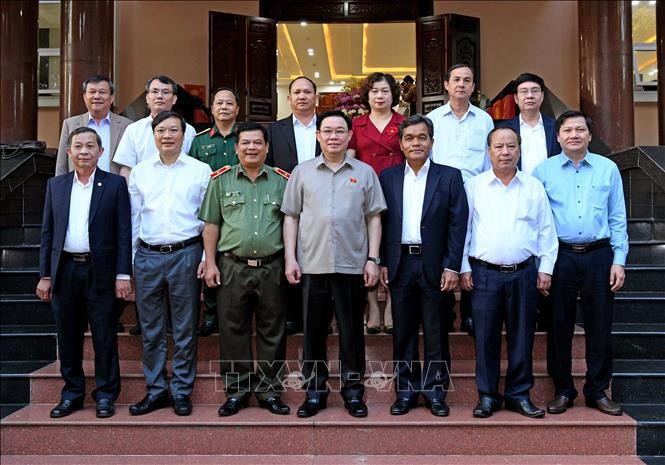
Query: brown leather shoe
560	404
605	405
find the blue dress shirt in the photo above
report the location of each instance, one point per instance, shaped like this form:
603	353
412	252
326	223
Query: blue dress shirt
587	201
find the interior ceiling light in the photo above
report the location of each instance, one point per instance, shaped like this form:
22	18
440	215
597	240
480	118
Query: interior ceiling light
316	74
303	23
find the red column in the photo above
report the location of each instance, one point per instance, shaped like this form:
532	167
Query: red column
18	67
86	48
606	70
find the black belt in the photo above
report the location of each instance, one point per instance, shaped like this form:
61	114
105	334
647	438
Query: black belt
412	249
169	248
584	248
502	268
77	257
254	262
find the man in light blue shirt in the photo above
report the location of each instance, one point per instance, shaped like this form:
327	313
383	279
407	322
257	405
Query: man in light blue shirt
586	196
460	141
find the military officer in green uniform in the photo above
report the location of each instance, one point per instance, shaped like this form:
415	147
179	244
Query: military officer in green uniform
216	147
243	228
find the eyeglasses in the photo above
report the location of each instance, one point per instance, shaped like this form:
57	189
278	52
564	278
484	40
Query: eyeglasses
326	133
524	92
157	92
171	131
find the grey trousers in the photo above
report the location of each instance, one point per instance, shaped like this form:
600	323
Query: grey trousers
162	280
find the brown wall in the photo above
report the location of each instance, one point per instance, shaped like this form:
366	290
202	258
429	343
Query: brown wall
646	123
525	36
48	126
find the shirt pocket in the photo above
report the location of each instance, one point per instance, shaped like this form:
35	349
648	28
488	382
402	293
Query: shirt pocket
475	140
207	152
600	194
273	206
232	208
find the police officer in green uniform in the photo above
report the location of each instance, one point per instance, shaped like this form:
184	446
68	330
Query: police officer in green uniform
216	147
243	229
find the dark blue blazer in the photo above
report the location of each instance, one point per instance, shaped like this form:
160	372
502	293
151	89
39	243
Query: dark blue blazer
553	147
442	226
282	151
109	228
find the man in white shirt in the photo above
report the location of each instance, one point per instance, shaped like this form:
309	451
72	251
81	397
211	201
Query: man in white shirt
510	226
84	261
138	142
166	193
460	135
98	95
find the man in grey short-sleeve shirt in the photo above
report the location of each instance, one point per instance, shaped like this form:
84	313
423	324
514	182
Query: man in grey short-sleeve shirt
332	206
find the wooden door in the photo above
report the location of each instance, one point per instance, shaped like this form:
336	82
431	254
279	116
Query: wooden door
443	41
242	56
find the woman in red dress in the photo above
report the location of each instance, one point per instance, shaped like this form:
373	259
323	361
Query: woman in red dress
375	142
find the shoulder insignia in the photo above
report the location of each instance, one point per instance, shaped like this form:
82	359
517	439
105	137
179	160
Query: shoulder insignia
220	171
202	132
282	173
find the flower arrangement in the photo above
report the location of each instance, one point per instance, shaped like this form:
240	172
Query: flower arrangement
348	100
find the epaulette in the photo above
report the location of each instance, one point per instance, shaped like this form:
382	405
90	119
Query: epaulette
220	171
202	132
282	173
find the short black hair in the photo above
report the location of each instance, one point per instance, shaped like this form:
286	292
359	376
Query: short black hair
408	78
306	79
94	79
164	115
458	66
528	77
164	80
251	126
573	114
228	89
83	130
372	79
412	121
503	128
329	114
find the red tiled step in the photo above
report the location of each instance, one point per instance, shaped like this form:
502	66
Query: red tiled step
377	347
580	431
46	385
320	460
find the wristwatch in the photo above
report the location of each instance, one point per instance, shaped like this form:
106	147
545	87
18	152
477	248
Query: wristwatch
376	260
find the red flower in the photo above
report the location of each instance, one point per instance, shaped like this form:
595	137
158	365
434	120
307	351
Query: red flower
392	130
353	180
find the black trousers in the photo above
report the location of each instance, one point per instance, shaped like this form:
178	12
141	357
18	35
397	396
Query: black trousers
76	299
417	302
588	275
509	298
349	294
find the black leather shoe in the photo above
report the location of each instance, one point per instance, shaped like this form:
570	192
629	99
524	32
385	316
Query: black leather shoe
466	326
231	406
275	405
605	405
135	330
66	407
485	407
293	328
207	328
150	404
438	407
312	406
182	405
560	404
402	406
356	407
524	407
105	408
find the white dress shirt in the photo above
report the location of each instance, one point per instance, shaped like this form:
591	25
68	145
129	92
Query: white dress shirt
138	143
77	239
104	131
509	224
461	143
534	144
166	200
305	139
412	203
